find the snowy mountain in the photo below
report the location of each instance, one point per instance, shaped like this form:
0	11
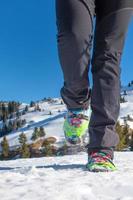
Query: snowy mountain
51	117
65	178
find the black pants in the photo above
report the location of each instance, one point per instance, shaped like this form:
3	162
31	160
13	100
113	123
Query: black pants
75	25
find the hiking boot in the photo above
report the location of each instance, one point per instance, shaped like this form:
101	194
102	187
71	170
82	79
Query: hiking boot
100	162
76	126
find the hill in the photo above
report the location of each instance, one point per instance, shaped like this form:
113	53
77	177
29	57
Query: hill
50	115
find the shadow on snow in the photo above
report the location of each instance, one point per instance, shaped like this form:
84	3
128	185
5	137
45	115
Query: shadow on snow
55	167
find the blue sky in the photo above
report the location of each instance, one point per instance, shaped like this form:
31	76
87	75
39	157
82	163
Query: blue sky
29	64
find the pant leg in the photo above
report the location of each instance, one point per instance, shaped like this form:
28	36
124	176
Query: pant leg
112	19
74	19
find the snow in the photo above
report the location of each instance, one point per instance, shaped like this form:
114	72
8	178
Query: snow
65	178
127	107
53	124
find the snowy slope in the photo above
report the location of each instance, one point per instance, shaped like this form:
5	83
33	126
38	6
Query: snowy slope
127	107
65	178
53	124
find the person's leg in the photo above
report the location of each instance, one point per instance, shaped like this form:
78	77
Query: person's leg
74	19
112	21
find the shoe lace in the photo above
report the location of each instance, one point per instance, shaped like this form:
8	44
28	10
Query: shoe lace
99	157
76	119
78	116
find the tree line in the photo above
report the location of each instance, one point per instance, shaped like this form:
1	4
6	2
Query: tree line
24	150
11	125
7	110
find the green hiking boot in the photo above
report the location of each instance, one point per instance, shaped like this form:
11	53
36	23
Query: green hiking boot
76	126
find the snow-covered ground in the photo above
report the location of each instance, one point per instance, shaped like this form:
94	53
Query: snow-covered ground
65	178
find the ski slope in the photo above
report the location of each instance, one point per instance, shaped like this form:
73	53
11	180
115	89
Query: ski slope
65	178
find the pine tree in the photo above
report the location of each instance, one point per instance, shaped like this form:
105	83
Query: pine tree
50	113
23	122
0	132
122	100
32	104
65	148
125	92
26	108
9	108
122	136
24	149
129	84
14	125
37	108
129	118
61	102
4	117
5	128
5	148
19	123
42	132
35	134
48	150
10	126
18	114
3	108
131	142
23	112
126	133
